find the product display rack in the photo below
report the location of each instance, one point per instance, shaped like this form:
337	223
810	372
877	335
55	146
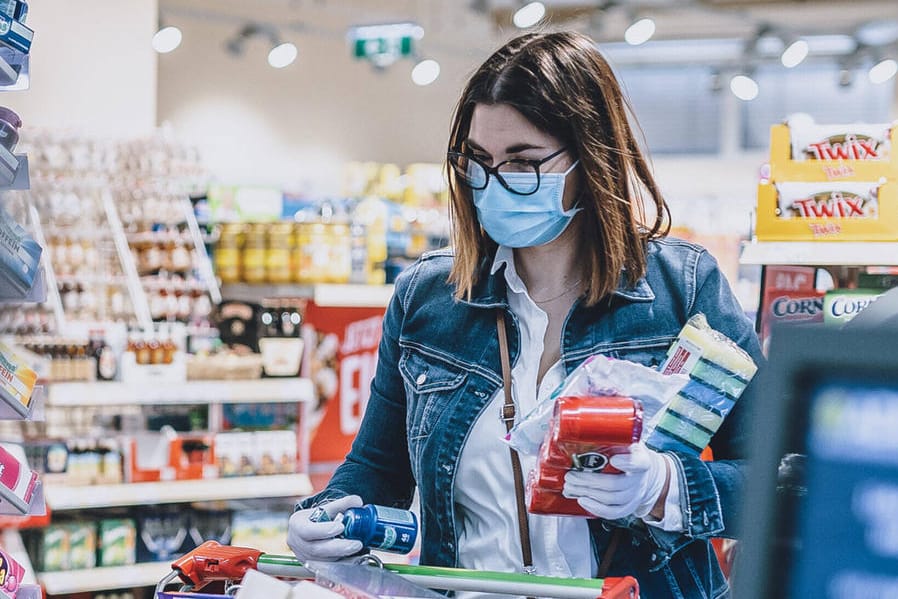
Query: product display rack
820	253
850	244
14	75
64	498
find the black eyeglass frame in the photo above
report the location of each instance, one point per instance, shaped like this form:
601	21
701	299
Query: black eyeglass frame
494	170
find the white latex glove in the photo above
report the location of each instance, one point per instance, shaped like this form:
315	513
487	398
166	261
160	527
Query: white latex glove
614	496
317	540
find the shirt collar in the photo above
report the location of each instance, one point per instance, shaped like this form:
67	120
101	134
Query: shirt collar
505	257
491	296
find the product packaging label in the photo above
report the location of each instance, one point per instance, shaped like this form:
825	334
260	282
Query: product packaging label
828	200
840	142
16	380
841	305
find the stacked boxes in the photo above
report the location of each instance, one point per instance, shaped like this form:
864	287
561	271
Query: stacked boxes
830	183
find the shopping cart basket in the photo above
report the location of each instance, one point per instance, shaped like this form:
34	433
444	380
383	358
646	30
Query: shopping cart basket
212	562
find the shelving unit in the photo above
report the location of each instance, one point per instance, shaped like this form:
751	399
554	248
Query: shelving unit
100	579
210	392
14	76
820	253
345	296
67	498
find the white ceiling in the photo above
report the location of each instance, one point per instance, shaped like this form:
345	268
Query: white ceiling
472	27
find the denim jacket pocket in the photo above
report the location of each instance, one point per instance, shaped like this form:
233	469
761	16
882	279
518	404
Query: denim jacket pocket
648	352
429	381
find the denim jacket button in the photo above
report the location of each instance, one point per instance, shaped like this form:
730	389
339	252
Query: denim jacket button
421	378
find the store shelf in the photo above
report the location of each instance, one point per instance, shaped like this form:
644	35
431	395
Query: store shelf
359	296
205	392
99	579
62	498
820	253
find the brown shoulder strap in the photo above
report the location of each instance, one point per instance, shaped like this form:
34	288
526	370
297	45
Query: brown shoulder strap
508	415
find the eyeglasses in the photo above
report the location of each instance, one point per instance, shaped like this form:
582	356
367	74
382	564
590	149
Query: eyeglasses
475	174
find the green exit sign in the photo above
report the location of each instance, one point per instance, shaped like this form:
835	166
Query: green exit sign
366	48
384	44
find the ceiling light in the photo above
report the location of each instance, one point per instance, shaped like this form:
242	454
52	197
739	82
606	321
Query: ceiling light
282	55
166	39
795	54
640	32
529	15
883	71
426	72
744	87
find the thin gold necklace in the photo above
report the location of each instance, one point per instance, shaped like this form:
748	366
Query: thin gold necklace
567	290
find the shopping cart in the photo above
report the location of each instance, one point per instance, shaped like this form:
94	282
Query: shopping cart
212	562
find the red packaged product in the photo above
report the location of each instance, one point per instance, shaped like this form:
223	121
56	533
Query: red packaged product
583	434
549	500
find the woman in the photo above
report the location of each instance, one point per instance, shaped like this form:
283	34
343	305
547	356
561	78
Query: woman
548	194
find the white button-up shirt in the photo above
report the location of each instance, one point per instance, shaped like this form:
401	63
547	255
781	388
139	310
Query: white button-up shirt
485	499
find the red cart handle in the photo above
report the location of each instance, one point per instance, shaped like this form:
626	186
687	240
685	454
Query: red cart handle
213	561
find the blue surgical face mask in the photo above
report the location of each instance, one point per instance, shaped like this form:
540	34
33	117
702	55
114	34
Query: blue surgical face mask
518	221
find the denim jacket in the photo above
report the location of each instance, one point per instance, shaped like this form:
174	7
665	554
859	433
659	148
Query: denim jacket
438	366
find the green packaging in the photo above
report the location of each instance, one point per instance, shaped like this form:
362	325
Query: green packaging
841	305
82	545
877	281
52	551
117	543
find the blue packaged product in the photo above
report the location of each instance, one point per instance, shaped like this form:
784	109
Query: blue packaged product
14	34
382	528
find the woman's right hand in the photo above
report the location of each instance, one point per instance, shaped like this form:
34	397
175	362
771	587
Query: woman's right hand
312	540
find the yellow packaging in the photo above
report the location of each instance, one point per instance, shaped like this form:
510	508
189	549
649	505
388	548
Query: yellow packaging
254	252
784	168
861	224
17	380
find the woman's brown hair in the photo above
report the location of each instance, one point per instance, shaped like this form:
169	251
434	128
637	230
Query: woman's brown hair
562	84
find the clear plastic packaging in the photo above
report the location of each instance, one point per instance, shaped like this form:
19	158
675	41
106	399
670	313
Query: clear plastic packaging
598	376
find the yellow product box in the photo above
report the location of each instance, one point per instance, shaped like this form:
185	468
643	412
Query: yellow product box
827	211
17	380
833	152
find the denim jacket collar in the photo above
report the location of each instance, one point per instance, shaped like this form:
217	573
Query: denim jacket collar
491	289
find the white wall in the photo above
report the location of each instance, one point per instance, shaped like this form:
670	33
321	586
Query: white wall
295	127
92	67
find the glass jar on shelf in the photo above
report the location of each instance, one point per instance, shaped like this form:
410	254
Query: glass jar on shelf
279	251
254	251
227	252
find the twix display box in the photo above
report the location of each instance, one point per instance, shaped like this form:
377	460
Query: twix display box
829	183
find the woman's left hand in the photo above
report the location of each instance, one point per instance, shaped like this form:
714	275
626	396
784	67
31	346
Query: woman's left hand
636	492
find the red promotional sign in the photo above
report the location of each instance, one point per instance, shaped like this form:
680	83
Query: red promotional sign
341	364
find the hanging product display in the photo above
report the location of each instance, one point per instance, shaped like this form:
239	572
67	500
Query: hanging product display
19	256
17	380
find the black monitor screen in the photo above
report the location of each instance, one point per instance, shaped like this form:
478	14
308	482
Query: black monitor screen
821	513
847	521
